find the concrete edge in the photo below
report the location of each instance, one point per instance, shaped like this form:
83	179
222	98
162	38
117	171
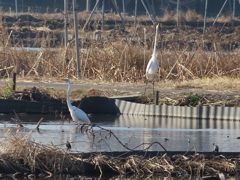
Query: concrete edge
200	112
104	105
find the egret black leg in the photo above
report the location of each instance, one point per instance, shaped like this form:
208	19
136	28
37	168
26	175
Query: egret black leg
145	87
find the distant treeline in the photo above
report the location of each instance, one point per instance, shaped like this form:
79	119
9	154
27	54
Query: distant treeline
157	6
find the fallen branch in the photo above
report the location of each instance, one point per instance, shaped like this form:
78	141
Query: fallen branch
6	68
38	124
17	120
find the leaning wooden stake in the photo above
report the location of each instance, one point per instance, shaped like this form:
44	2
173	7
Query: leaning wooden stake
38	124
17	120
34	67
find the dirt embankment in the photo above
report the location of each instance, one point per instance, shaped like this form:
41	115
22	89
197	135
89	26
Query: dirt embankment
167	97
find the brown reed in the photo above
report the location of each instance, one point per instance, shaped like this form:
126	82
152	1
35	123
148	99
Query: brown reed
121	55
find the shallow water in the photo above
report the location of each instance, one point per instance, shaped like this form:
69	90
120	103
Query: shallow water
131	131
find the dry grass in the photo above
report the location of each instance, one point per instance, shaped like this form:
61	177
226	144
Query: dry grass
188	15
120	62
20	154
185	55
215	83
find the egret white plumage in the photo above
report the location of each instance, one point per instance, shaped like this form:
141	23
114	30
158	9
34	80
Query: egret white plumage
153	63
77	114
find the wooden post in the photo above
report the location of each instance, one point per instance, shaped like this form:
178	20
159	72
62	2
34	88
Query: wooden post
65	23
76	39
16	7
145	47
135	14
234	7
103	10
124	11
14	82
156	97
178	2
205	16
88	5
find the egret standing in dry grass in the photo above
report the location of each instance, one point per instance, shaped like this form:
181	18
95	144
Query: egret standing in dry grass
153	63
77	114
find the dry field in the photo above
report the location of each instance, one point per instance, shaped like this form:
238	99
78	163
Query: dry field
189	58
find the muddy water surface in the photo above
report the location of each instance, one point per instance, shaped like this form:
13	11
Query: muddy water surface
131	131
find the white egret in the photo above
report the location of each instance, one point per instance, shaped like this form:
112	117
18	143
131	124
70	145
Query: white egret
153	63
77	114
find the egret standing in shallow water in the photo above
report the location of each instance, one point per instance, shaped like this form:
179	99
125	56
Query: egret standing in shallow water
77	114
153	63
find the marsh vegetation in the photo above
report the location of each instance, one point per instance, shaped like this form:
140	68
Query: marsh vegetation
120	54
189	58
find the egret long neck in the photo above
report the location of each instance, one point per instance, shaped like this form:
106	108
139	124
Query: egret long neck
155	42
68	95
